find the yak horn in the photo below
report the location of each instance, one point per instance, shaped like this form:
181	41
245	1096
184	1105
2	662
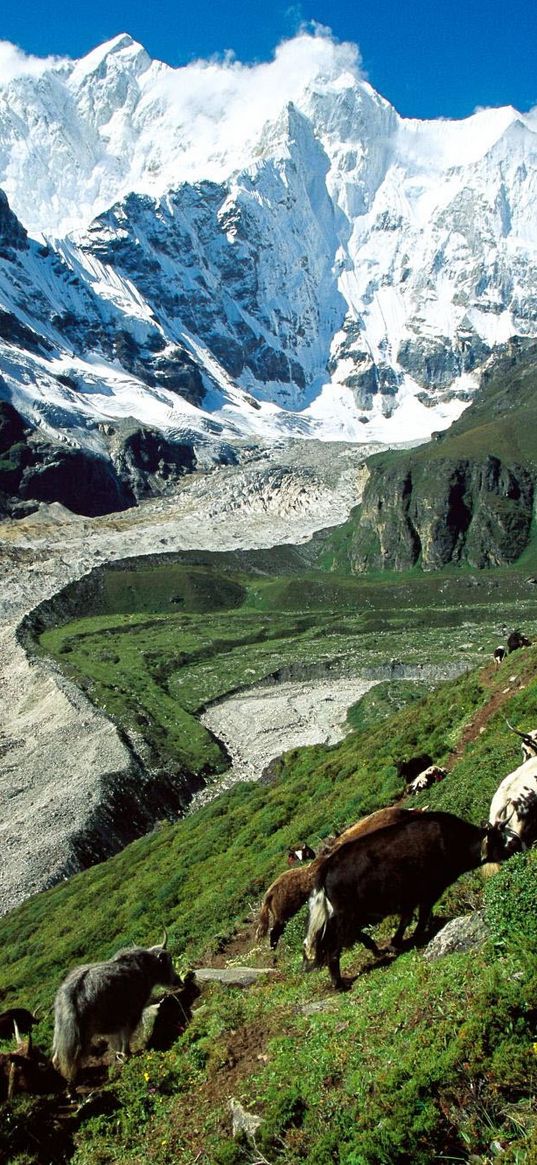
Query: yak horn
502	820
164	942
525	735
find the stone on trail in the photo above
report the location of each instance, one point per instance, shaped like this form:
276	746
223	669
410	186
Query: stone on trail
234	976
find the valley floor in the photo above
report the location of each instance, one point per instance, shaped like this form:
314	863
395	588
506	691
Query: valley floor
56	749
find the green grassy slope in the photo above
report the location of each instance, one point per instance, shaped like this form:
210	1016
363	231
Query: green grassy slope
166	640
418	1062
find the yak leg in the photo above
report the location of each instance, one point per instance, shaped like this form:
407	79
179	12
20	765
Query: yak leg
368	942
11	1080
275	934
424	918
335	971
404	921
120	1042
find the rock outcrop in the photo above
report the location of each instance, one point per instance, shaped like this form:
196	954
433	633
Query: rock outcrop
451	511
467	496
459	935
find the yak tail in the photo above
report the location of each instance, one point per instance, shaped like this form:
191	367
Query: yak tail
67	1041
320	911
264	920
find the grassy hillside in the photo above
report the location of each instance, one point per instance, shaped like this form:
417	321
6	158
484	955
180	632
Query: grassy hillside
420	1062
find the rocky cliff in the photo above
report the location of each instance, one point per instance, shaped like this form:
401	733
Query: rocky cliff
467	496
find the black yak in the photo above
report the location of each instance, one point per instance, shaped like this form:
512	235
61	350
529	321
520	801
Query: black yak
396	870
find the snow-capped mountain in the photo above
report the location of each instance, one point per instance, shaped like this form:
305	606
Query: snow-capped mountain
222	251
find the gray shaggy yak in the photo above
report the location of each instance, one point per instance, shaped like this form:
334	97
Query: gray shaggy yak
106	999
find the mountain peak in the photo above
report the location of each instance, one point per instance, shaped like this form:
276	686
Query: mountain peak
274	234
121	46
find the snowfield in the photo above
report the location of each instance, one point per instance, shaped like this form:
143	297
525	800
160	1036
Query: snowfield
328	268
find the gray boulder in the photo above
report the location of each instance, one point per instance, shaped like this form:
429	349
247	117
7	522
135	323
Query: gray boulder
461	934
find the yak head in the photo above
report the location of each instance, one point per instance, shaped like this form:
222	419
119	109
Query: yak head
498	844
164	967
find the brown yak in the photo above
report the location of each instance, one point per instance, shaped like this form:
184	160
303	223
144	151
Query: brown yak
288	893
395	870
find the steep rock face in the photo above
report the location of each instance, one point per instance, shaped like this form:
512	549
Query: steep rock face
478	513
13	236
247	267
468	496
150	464
141	463
85	484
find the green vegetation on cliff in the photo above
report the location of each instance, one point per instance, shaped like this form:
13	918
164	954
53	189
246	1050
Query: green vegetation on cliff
464	497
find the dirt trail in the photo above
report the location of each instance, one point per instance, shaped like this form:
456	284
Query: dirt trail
478	723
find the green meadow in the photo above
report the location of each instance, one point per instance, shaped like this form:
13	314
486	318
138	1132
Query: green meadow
162	642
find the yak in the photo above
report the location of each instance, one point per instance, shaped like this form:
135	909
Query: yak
513	809
172	1014
288	893
428	777
529	741
106	999
396	870
516	640
301	853
16	1021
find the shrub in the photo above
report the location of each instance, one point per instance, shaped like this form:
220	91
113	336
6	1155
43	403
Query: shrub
511	900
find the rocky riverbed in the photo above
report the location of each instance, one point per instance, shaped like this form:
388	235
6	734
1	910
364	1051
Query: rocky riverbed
258	725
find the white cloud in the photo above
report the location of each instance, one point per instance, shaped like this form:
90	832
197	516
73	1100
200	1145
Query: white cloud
218	106
15	63
161	125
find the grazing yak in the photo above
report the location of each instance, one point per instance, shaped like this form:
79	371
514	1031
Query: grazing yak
288	893
427	778
16	1021
302	853
106	999
395	870
513	809
171	1015
516	640
500	654
27	1069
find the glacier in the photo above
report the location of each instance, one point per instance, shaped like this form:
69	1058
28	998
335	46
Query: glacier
228	253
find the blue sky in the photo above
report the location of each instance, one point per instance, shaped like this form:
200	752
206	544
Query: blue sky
442	58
